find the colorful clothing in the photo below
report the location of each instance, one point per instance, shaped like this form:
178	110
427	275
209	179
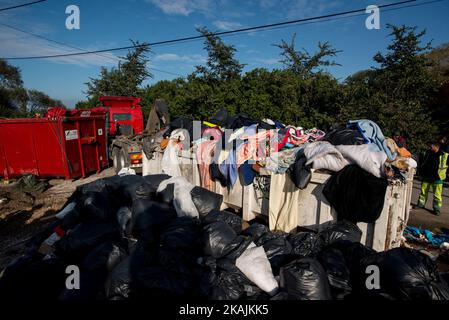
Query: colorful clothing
372	135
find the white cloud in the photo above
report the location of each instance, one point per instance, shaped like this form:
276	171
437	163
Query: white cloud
252	51
227	25
184	7
194	58
15	44
294	9
268	61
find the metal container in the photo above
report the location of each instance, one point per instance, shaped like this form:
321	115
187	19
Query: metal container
316	212
66	143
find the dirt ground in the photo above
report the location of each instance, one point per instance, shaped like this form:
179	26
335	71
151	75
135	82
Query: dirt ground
23	214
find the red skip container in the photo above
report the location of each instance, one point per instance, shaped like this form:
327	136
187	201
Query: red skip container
66	143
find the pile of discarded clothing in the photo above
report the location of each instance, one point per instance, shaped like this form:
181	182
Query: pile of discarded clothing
360	159
419	235
135	238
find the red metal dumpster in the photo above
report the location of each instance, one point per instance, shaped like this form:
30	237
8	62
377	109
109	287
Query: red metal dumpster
66	143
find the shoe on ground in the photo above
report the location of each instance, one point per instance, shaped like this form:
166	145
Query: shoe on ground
436	212
418	206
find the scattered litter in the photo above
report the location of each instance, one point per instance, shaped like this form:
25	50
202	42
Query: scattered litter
126	172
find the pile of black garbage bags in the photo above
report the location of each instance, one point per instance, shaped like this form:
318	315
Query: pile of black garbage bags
129	243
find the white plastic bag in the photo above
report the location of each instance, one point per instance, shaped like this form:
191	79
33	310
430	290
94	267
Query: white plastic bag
170	163
182	199
126	172
254	264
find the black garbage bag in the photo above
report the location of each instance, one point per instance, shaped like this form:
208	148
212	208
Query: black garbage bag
267	236
94	271
143	191
356	195
28	280
220	240
342	230
231	219
227	287
281	295
167	195
305	279
353	253
239	245
108	185
128	186
181	123
205	201
216	175
278	251
105	257
148	217
32	246
229	283
175	275
154	180
445	277
305	244
124	216
255	231
184	234
276	245
118	283
240	120
299	172
90	289
71	219
81	240
220	117
338	274
404	274
96	206
344	136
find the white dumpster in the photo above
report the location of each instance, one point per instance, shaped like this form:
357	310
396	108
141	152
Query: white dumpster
315	211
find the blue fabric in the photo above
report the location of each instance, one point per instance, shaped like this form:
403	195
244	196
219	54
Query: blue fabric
278	124
414	234
372	135
251	130
229	168
247	173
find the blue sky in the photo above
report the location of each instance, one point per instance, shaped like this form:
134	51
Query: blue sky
106	24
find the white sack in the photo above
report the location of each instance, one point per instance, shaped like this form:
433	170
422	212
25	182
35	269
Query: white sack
170	164
323	155
182	199
254	264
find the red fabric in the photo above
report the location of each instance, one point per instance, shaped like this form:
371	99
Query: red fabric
59	231
55	113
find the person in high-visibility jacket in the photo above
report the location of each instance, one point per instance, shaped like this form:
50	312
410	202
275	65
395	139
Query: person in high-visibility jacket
433	172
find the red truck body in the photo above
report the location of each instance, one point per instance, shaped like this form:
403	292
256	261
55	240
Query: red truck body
125	115
66	143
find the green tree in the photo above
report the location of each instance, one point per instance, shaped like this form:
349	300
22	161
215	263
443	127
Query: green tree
125	79
404	87
85	104
221	64
13	96
39	102
439	70
302	63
